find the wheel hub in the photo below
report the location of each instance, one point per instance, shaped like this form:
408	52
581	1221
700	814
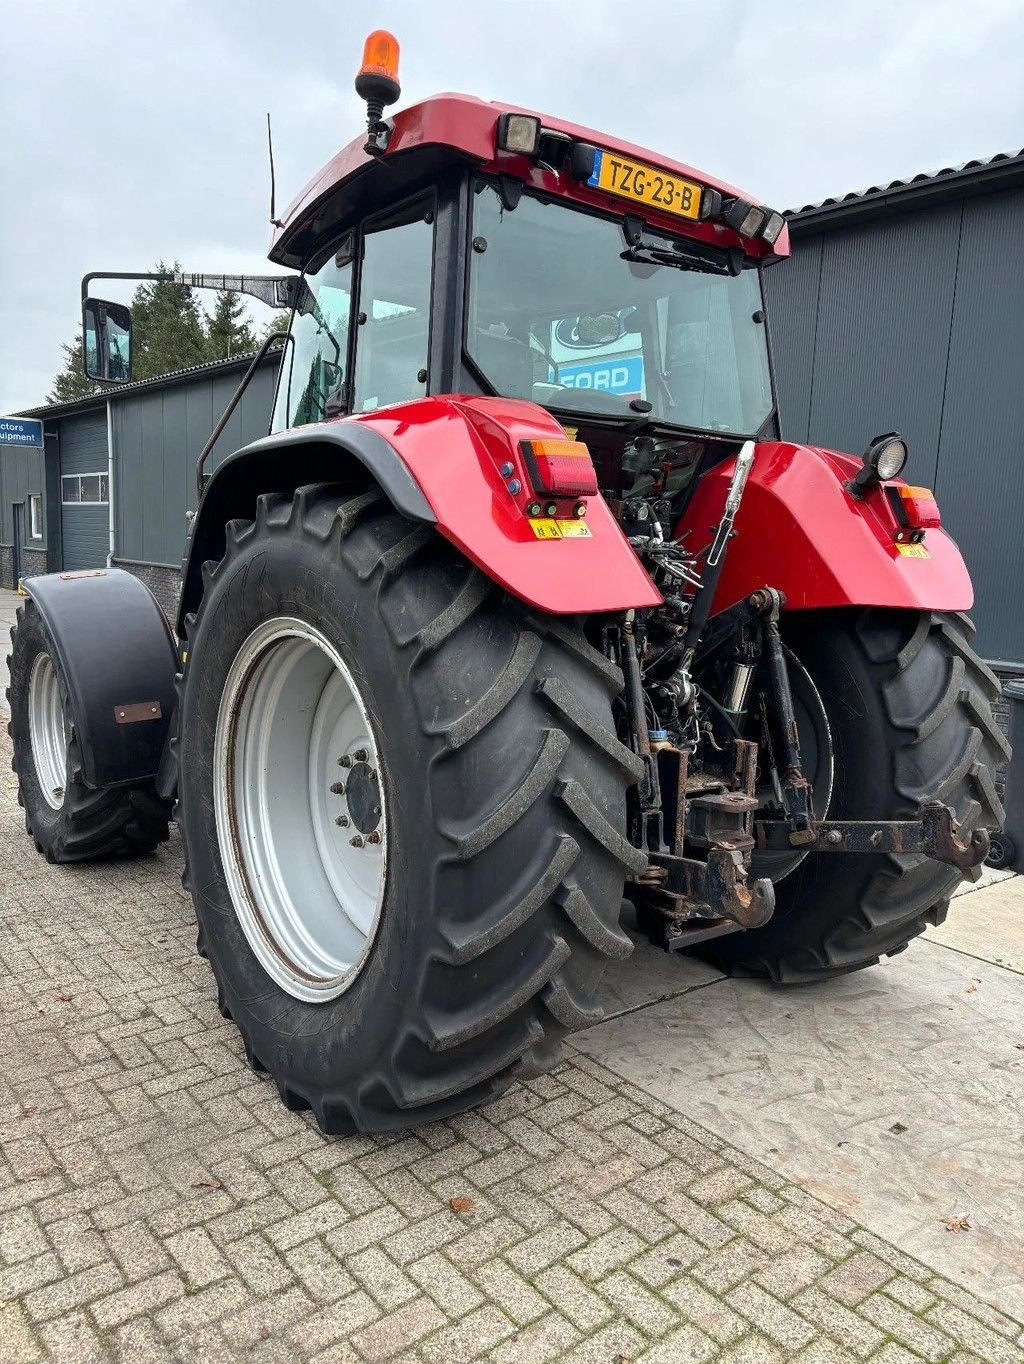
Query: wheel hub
362	795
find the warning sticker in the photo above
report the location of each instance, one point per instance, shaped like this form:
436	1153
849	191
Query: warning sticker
913	551
545	528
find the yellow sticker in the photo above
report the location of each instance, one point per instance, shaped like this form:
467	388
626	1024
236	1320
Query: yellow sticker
913	551
571	432
578	529
545	528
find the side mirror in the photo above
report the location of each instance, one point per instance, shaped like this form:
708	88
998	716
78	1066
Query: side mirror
107	341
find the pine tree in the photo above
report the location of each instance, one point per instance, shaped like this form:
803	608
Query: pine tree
228	331
167	328
72	382
280	322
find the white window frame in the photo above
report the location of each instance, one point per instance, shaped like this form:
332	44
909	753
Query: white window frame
101	474
35	516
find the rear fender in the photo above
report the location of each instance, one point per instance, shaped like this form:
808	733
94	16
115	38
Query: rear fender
118	660
800	531
440	461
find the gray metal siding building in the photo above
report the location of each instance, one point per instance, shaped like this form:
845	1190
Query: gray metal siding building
84	524
902	308
118	473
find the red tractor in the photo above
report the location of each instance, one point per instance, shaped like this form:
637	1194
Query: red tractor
521	608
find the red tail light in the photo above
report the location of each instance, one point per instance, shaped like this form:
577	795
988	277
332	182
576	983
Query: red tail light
560	468
915	508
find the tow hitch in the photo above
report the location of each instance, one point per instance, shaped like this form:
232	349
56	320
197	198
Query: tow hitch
936	834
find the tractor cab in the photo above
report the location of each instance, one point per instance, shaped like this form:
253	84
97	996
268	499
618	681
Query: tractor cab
465	247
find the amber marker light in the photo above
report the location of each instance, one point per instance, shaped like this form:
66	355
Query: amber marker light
377	78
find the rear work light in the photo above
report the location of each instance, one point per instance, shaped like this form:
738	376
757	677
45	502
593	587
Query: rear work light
519	133
561	468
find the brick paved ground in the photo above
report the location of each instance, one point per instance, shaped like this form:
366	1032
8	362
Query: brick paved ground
157	1202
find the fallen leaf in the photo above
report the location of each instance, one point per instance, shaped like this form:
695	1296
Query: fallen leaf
899	1128
676	1264
958	1223
28	1110
63	999
263	1333
461	1204
622	1359
207	1184
971	989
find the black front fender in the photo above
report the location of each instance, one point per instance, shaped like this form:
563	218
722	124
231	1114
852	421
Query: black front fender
118	659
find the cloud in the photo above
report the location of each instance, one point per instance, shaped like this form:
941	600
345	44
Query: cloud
133	133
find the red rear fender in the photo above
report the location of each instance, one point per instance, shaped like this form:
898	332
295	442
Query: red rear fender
455	449
800	531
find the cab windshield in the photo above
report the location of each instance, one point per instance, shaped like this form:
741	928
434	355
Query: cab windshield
558	316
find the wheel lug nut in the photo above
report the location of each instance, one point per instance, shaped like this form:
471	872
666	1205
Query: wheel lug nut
337	788
373	836
345	761
360	755
342	820
357	842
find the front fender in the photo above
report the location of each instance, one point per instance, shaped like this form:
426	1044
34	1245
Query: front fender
800	531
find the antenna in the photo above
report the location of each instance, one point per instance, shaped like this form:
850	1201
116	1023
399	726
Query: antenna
275	221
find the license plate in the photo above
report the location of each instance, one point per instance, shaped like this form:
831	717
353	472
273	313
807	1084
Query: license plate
645	185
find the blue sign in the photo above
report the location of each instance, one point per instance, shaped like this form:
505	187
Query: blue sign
21	431
623	374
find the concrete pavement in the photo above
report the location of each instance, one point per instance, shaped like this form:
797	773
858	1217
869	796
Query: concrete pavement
712	1177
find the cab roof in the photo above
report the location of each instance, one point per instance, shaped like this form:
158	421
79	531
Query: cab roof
437	132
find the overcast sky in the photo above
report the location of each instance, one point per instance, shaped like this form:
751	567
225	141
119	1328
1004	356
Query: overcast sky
132	132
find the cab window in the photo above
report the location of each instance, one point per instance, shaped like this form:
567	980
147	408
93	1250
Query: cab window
392	331
312	383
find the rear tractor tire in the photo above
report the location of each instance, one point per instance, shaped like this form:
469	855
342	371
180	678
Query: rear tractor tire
69	821
403	806
908	703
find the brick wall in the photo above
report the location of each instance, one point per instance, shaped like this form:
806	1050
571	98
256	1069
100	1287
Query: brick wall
164	583
7	566
33	562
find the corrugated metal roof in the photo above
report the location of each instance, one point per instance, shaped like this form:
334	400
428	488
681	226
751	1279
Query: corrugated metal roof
115	392
970	176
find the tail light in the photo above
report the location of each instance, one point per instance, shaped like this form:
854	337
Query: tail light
915	508
560	468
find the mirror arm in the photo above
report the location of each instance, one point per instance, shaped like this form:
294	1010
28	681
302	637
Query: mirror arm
166	278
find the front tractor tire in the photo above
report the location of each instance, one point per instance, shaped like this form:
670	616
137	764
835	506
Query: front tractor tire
403	807
68	820
908	703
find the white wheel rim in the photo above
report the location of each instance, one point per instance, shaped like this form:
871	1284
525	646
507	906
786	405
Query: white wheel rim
46	731
304	860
